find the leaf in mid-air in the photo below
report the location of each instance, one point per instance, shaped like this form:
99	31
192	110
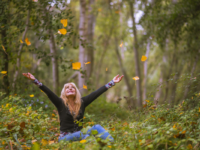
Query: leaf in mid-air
62	31
106	69
84	86
76	65
87	63
21	41
136	78
3	72
64	22
121	44
143	58
27	42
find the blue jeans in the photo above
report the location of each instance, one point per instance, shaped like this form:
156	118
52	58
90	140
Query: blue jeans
77	136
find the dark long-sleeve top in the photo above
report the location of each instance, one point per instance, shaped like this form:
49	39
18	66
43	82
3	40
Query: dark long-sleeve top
67	123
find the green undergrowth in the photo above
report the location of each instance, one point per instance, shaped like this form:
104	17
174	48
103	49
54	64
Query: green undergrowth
153	127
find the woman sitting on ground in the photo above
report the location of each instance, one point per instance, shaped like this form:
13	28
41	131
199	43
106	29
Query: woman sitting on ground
71	108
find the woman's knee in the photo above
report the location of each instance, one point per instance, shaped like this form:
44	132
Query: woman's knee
98	126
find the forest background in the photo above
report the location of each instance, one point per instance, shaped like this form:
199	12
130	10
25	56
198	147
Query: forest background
154	44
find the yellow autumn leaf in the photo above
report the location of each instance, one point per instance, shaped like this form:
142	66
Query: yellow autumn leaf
76	65
62	31
99	10
53	115
106	69
3	48
189	146
7	105
83	141
4	72
64	22
136	78
31	95
21	41
44	142
109	146
143	58
113	129
121	44
3	142
27	42
10	110
147	101
87	63
84	86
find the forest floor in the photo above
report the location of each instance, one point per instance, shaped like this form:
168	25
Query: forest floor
152	128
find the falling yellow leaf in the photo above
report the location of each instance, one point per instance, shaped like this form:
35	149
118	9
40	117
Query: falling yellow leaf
62	31
53	115
4	49
121	44
117	12
84	86
143	58
136	78
106	69
44	142
7	105
64	22
31	95
109	146
4	72
27	42
87	63
99	10
147	101
83	141
76	65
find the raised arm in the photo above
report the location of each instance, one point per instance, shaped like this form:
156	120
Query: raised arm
57	101
91	97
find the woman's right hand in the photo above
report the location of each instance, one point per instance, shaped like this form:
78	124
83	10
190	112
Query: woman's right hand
29	76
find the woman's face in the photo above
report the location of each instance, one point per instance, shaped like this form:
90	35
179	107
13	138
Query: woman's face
70	90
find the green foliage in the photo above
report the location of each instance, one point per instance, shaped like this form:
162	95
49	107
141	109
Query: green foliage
157	127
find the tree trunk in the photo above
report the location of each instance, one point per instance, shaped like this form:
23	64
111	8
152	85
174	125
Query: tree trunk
54	61
192	73
145	70
90	48
82	35
126	78
137	65
5	61
19	52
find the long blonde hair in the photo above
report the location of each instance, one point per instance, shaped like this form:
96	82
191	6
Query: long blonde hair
77	100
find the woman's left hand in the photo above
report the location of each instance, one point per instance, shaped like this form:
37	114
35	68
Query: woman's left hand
117	79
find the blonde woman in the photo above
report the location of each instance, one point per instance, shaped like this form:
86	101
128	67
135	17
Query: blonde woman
71	107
